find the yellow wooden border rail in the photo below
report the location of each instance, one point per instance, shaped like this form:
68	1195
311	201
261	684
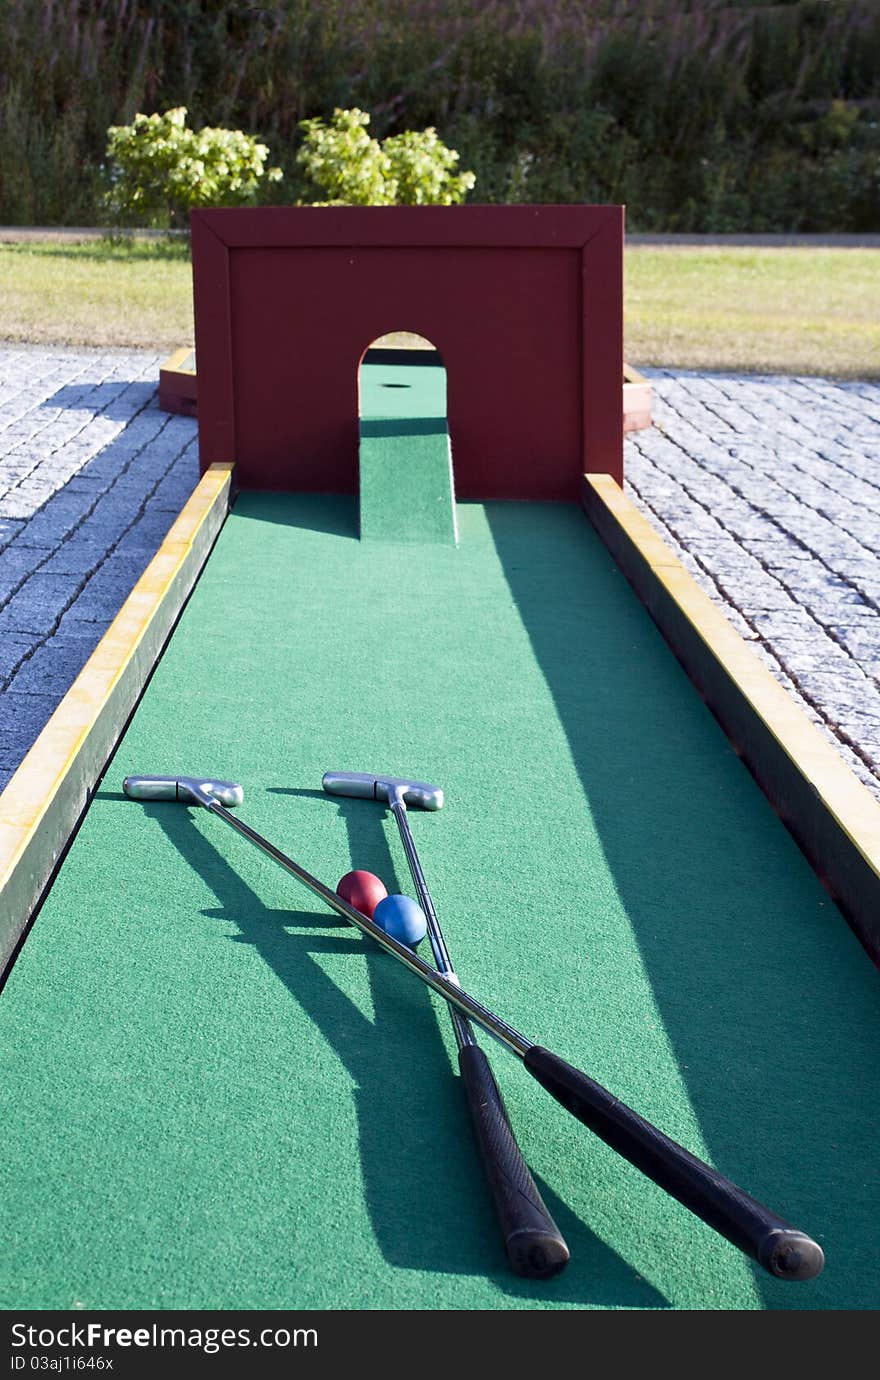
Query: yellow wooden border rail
637	394
833	817
42	804
178	383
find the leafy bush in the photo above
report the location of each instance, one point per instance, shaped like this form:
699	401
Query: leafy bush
422	168
159	170
352	169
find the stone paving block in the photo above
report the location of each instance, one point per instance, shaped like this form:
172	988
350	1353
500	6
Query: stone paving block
175	490
862	643
13	648
753	596
107	523
115	573
22	717
183	434
843	501
796	621
749	526
725	556
861	571
138	437
101	603
88	485
23	502
8	530
815	585
804	660
687	519
76	556
16	564
53	667
13	470
778	669
862	724
60	516
776	552
37	606
841	678
827	544
84	622
737	619
146	535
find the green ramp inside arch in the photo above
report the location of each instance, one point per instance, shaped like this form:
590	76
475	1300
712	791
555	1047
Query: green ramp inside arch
406	487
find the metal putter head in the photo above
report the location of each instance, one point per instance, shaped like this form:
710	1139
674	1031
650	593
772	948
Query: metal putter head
420	794
190	790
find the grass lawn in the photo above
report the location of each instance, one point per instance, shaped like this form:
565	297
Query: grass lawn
114	293
785	310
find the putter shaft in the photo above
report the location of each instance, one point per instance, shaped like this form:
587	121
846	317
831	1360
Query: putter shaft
534	1244
440	983
460	1024
780	1248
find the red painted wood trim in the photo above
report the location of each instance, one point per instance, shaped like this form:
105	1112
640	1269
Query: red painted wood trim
490	227
213	336
524	303
603	348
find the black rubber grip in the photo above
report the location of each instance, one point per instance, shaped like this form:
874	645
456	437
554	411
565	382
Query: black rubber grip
782	1250
534	1244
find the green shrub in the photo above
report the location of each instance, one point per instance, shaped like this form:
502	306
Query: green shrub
158	170
422	170
350	168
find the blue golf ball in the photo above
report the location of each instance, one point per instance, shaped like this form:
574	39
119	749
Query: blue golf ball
402	918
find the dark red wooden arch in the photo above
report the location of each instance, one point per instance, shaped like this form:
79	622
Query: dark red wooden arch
523	302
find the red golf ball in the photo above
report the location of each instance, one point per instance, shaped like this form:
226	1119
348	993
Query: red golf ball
363	890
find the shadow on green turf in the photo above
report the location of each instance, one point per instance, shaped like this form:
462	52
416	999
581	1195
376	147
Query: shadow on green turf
766	998
331	513
428	1205
403	426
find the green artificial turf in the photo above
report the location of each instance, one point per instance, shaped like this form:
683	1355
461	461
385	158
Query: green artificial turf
216	1094
405	482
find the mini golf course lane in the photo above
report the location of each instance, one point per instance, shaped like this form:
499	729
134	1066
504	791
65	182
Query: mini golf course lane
216	1094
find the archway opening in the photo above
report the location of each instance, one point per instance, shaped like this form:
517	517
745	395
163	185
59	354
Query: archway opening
407	493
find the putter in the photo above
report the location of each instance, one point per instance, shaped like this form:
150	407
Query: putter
534	1245
779	1248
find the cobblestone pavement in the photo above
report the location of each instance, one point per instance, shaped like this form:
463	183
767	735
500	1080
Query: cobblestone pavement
768	489
92	475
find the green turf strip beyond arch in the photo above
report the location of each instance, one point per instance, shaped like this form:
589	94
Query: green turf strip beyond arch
405	457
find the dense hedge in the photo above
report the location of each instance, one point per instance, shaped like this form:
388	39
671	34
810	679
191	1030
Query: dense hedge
700	115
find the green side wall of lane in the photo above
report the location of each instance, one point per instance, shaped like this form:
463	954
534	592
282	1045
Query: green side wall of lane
215	1094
